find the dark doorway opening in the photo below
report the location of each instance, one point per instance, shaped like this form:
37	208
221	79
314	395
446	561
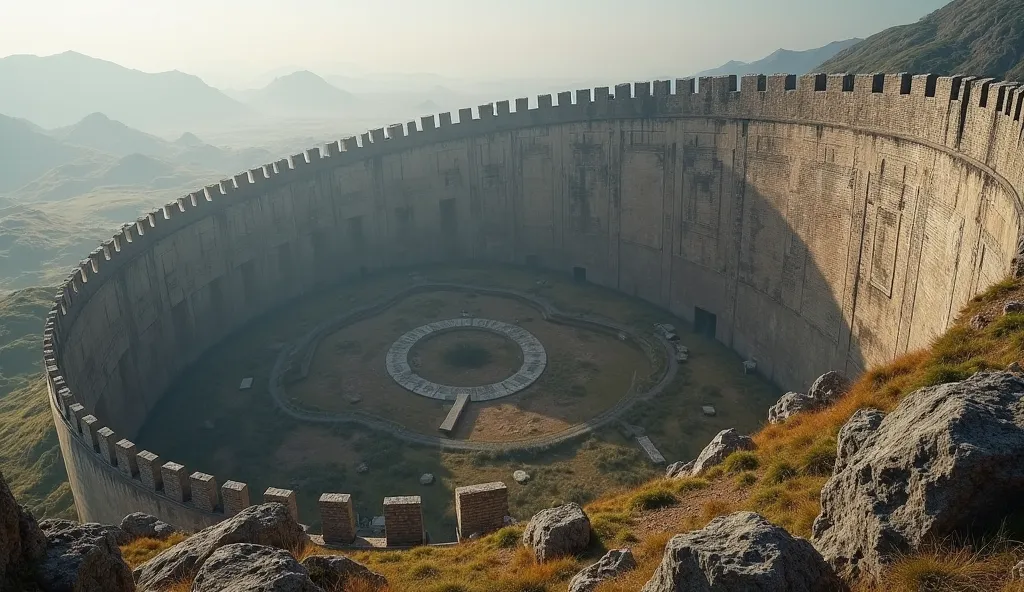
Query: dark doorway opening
579	274
704	322
532	261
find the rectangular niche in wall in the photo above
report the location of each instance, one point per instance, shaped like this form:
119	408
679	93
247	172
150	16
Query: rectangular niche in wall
355	233
704	322
579	274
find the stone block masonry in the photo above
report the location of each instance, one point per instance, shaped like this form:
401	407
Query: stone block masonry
480	509
176	482
283	496
149	470
204	491
338	518
236	497
77	413
90	425
403	521
127	458
106	439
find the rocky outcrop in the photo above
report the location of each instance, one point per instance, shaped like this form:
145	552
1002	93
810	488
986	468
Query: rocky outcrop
823	392
857	430
335	572
22	542
563	530
241	567
139	525
614	563
742	552
1013	307
82	558
948	458
267	524
724	444
679	469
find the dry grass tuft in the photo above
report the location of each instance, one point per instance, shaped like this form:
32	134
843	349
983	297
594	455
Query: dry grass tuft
142	550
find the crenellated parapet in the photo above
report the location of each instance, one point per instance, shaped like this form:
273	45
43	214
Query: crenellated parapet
977	121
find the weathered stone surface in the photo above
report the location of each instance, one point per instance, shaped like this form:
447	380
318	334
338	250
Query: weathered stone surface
242	567
614	563
724	444
947	458
742	552
22	542
268	524
1013	307
1017	572
789	405
520	476
679	469
562	530
82	558
858	430
979	321
139	525
335	572
829	387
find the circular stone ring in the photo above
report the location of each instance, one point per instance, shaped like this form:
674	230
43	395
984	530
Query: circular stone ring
534	361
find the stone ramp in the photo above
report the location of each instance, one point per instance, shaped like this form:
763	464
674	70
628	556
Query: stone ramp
651	450
448	425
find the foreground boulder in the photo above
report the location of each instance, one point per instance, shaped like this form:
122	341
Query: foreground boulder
823	392
267	524
724	444
858	429
614	563
22	542
948	458
335	572
139	525
679	469
559	531
82	558
242	567
742	552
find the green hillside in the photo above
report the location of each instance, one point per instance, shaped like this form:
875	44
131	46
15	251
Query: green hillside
977	37
29	452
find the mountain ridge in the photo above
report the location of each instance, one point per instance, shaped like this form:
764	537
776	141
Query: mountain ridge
788	61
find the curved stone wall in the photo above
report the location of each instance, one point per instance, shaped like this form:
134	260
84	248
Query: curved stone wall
827	222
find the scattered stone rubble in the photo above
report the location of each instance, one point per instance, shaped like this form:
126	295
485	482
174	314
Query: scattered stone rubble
823	392
614	563
720	447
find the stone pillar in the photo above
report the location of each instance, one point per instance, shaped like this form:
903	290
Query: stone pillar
176	483
77	413
106	438
283	496
127	461
204	491
338	518
236	497
149	470
403	520
66	401
90	425
480	509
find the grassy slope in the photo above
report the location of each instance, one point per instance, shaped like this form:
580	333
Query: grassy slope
977	37
29	452
781	479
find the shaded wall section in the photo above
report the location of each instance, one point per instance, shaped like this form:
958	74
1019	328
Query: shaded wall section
827	222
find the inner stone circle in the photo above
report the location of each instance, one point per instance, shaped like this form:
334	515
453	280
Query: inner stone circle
534	361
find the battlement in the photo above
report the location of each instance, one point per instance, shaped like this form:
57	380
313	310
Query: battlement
977	120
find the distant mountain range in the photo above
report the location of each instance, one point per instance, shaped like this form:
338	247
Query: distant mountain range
299	94
977	37
783	61
59	90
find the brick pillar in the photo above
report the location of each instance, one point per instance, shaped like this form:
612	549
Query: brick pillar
480	509
403	520
176	484
338	518
77	413
90	425
149	470
127	461
204	491
106	438
236	497
283	496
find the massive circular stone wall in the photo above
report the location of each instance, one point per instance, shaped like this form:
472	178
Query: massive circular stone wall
534	361
810	224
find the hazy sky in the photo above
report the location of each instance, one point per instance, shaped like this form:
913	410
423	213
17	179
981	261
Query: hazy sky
231	41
